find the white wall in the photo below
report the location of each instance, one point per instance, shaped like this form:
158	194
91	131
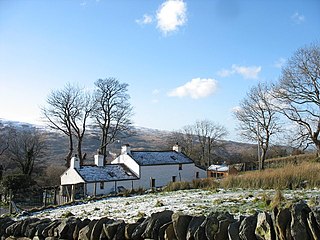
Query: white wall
129	162
202	173
163	174
108	187
70	176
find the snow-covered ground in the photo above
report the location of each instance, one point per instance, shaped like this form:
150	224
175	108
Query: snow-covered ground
194	202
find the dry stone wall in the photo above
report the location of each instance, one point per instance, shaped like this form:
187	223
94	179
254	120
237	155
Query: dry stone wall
298	222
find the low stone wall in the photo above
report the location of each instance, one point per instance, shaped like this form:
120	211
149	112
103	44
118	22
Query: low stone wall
298	222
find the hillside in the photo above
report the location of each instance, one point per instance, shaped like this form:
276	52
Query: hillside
142	139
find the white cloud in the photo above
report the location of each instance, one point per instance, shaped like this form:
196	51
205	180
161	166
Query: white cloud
297	18
250	72
146	19
196	88
171	15
247	72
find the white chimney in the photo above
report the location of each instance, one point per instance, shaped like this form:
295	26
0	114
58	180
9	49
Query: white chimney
99	160
176	148
75	162
125	149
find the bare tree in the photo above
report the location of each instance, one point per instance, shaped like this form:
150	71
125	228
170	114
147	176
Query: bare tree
67	111
112	111
209	135
200	140
25	148
258	119
186	139
298	93
79	120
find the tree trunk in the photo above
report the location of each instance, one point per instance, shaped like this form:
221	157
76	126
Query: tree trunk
262	159
80	151
69	155
318	152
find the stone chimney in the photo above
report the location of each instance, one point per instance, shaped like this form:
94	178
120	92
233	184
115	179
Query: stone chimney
75	162
99	159
125	149
176	148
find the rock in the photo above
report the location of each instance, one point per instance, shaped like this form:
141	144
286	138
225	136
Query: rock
200	233
180	225
169	233
282	224
264	229
128	230
193	226
41	226
120	232
49	230
247	228
225	219
313	226
4	223
85	232
98	227
163	229
222	233
233	229
28	227
139	230
211	226
14	229
299	224
155	222
65	229
316	213
111	229
79	225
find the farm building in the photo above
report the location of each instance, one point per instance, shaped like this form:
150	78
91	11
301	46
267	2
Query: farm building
130	170
221	171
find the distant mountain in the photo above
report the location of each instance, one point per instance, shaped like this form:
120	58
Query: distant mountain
142	139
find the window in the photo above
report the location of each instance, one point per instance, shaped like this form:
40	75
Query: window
180	166
197	174
174	178
153	182
101	185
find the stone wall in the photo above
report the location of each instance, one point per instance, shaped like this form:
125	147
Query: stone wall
298	222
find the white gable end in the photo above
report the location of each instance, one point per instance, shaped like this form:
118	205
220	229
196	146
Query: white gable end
71	176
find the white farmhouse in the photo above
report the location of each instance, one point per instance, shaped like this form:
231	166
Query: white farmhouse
98	179
130	170
158	168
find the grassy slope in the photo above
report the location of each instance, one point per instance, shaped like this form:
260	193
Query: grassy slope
300	171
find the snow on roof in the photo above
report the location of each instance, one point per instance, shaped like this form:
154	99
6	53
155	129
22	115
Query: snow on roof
219	168
159	157
110	172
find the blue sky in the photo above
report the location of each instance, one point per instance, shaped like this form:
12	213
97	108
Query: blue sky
183	60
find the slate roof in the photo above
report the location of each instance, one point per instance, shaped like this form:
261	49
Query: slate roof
219	168
145	158
110	172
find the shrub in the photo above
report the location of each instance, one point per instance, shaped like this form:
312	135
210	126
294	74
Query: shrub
205	183
17	182
175	186
278	199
